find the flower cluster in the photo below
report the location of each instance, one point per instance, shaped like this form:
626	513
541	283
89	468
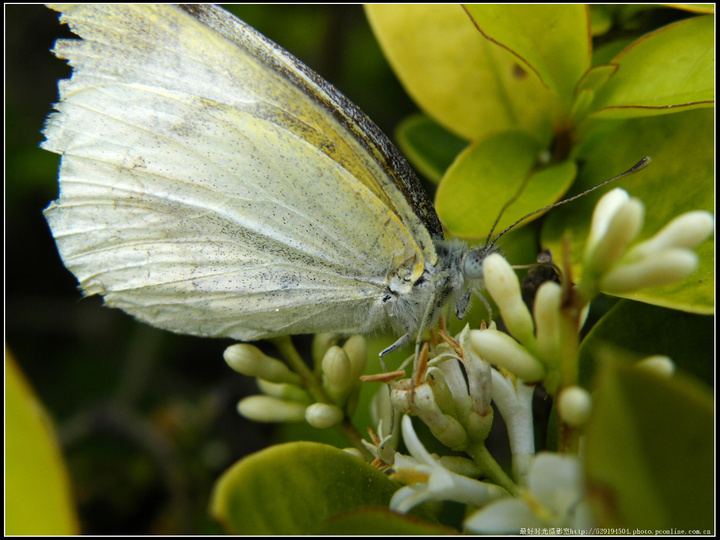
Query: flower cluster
453	401
287	396
460	380
612	266
539	347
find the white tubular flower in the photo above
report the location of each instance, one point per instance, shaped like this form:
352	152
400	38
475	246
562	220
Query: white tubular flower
444	396
249	360
547	321
455	380
665	258
432	481
500	349
382	446
323	415
384	443
514	401
604	211
271	409
288	392
615	223
574	406
685	231
665	267
554	498
502	283
445	428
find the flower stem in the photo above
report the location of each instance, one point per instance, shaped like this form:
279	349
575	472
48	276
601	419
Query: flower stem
347	429
292	356
490	468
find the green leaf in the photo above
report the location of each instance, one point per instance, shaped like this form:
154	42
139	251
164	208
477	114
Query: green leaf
666	71
38	501
293	488
466	83
488	174
645	330
380	522
649	452
552	41
429	147
679	179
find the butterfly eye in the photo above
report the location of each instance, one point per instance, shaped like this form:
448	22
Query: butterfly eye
473	263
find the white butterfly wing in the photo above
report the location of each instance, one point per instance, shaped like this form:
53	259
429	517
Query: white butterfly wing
204	191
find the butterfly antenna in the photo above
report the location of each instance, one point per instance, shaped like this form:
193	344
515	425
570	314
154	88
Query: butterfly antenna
510	201
640	165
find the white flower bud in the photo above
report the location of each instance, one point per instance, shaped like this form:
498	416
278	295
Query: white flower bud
321	343
685	231
479	379
400	395
574	406
445	428
604	211
547	320
658	364
502	283
323	415
336	372
668	266
249	360
284	391
443	395
500	349
271	409
620	230
356	349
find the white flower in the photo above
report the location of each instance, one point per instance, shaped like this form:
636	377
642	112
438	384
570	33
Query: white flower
500	349
513	399
323	415
502	283
432	481
665	258
271	409
574	405
554	498
616	221
249	360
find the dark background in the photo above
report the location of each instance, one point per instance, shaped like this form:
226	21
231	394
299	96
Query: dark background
147	418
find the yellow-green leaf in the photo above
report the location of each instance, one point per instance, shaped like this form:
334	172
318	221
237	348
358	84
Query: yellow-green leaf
465	82
294	488
649	452
645	330
381	522
488	174
551	40
666	71
38	500
429	147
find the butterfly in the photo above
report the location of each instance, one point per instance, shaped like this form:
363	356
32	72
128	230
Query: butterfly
212	184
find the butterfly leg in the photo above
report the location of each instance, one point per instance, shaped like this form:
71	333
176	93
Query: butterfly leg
399	344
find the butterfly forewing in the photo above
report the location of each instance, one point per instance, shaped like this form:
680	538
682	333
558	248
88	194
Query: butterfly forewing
203	192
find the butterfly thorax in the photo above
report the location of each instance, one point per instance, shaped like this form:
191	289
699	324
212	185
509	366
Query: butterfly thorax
414	306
